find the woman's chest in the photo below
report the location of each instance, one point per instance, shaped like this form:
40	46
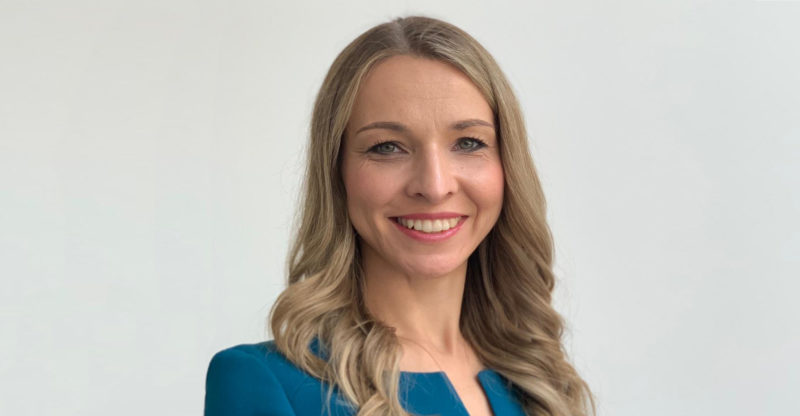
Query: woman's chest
488	394
421	393
472	396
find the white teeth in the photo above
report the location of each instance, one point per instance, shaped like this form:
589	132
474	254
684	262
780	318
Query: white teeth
429	226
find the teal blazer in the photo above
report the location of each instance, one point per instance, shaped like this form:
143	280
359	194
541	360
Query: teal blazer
256	379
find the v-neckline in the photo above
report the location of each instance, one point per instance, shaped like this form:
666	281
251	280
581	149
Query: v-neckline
487	378
482	380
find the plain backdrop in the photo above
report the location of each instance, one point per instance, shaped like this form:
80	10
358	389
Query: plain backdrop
151	153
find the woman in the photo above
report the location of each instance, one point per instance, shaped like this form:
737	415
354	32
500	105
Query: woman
421	275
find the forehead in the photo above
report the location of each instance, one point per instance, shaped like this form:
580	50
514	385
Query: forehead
417	90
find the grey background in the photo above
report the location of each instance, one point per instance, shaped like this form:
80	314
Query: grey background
151	151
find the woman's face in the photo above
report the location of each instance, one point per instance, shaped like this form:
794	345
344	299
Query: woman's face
421	167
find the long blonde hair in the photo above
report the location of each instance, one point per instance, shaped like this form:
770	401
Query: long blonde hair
506	313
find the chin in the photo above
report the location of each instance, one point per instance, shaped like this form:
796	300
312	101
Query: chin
434	268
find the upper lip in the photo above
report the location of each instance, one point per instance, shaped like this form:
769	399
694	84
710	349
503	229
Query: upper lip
430	216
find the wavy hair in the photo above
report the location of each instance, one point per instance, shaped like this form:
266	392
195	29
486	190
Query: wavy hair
506	314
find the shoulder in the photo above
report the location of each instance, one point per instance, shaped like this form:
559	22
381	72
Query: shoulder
249	355
249	379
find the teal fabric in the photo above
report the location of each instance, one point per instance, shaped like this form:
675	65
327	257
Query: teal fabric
256	379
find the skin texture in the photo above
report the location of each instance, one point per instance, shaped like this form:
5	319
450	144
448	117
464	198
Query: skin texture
417	287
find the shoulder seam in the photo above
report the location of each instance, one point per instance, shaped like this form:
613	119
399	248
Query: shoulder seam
261	364
272	350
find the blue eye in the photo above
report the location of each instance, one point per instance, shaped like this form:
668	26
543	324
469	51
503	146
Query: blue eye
384	148
470	143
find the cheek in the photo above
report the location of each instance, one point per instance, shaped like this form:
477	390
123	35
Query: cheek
488	188
499	183
368	191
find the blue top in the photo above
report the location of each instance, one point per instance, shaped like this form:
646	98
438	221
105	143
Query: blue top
256	379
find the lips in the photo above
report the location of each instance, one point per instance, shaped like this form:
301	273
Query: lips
428	230
428	225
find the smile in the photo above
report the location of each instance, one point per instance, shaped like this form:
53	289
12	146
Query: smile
429	230
428	226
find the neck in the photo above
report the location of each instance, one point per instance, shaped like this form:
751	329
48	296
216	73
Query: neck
424	310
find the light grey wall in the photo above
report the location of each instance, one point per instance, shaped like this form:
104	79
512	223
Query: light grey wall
150	155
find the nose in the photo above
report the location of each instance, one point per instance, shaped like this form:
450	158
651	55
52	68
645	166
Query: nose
433	177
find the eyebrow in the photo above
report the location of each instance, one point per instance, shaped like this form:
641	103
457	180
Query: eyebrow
391	125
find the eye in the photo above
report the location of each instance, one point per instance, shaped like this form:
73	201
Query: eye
384	148
470	144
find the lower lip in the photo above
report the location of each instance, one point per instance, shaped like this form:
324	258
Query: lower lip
429	237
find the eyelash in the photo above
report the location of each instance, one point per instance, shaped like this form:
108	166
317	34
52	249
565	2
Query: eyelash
479	144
